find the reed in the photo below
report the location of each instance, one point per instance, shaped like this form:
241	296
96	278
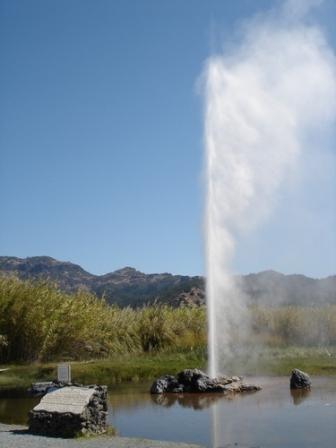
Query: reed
38	322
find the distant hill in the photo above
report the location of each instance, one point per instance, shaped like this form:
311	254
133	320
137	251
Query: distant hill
128	286
273	288
124	287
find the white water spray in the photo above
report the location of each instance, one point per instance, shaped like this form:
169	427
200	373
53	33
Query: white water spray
262	100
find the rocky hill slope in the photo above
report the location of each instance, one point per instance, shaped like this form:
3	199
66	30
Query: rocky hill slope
128	286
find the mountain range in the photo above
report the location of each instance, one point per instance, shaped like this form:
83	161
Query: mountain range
127	286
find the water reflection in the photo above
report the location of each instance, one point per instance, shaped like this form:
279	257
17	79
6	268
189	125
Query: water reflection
299	395
194	401
214	430
274	417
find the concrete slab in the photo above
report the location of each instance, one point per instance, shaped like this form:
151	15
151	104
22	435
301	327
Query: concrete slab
68	399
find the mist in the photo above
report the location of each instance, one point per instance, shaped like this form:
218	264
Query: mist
266	98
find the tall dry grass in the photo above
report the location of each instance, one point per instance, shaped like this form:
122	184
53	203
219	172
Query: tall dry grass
40	323
293	325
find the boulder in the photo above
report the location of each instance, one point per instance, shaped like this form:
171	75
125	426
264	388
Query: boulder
190	376
70	411
167	383
207	385
196	381
41	388
299	380
249	388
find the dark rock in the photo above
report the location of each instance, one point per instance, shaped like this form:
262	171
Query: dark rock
249	388
299	380
167	383
41	388
196	381
208	385
193	379
188	376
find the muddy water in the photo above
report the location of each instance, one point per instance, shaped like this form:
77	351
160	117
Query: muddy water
273	417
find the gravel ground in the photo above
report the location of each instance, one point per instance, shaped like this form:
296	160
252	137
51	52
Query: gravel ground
17	437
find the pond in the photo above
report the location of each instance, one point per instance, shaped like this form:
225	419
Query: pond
273	417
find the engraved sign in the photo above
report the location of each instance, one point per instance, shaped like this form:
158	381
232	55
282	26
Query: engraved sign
64	373
68	399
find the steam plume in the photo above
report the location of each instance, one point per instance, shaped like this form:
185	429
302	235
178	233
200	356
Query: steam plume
262	99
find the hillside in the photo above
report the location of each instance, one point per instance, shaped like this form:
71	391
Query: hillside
125	286
128	286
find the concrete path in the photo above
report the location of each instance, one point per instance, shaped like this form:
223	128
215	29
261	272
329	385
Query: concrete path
17	437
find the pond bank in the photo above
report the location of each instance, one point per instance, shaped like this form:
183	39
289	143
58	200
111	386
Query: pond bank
121	369
12	436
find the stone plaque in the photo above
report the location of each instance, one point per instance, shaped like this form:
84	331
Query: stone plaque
67	399
64	373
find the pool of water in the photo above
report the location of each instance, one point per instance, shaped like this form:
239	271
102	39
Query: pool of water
273	417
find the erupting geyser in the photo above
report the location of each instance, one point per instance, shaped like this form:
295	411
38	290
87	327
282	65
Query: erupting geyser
264	99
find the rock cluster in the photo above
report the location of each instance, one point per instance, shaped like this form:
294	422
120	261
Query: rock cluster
300	380
43	387
196	381
70	411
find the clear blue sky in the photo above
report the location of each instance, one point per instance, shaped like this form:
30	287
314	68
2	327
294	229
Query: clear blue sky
101	138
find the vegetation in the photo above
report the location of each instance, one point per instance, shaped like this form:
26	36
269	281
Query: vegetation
41	325
114	370
146	367
295	325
